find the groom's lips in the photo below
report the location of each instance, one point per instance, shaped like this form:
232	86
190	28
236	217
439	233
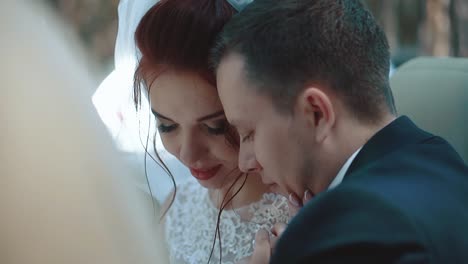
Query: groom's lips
267	183
274	188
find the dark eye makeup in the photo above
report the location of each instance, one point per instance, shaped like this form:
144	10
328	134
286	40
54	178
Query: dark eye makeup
162	128
217	127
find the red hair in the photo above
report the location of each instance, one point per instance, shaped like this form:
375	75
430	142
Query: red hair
178	35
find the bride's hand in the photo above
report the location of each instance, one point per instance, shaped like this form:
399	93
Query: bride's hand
295	203
263	248
265	244
277	231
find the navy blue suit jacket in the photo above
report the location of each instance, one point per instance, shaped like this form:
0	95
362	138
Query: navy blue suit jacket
404	199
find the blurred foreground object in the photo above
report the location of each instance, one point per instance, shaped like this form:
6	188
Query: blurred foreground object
133	130
66	196
433	92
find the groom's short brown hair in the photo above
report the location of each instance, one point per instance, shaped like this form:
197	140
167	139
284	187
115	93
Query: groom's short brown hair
288	44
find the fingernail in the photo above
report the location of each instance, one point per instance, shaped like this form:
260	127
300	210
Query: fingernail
307	195
294	200
262	234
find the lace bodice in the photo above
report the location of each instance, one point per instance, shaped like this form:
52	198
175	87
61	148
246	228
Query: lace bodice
191	223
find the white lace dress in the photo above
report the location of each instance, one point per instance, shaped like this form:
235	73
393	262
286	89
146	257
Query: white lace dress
190	226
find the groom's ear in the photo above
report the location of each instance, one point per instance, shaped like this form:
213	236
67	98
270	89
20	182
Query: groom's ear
317	108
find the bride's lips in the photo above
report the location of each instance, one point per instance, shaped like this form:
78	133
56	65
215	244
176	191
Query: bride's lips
205	174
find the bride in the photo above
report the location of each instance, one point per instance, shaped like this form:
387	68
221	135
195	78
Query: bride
215	219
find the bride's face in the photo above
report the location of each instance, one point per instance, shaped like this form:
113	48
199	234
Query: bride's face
192	125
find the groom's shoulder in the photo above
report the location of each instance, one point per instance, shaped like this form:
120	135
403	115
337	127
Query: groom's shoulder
365	212
413	175
345	220
354	218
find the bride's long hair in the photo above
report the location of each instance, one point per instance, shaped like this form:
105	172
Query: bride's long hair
178	34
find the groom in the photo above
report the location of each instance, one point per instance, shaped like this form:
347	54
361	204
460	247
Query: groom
305	82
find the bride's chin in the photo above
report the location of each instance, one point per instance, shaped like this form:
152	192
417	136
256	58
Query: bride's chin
209	184
220	181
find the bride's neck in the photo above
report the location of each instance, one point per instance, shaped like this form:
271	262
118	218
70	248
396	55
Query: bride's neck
252	191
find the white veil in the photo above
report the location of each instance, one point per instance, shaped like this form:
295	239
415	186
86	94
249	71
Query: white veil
114	103
113	98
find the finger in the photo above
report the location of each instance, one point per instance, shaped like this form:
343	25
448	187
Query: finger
273	241
294	204
262	250
308	195
278	229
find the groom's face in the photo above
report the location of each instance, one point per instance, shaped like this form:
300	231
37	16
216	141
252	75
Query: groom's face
269	142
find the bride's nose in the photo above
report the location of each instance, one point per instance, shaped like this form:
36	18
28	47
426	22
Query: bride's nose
191	149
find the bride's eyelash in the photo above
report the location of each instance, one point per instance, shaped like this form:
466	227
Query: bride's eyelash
220	128
166	129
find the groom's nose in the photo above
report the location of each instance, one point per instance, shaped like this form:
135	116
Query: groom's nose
247	160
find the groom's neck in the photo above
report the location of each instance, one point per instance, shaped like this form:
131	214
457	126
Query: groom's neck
346	138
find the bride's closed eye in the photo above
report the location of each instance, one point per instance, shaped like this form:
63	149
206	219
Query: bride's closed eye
162	128
218	127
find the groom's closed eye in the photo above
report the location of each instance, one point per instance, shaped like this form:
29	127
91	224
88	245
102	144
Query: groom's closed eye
247	137
244	135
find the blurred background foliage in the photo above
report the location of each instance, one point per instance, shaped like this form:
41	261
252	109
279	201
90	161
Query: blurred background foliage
95	22
413	27
423	27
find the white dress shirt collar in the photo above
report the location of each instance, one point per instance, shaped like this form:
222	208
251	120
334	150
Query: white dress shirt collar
339	177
